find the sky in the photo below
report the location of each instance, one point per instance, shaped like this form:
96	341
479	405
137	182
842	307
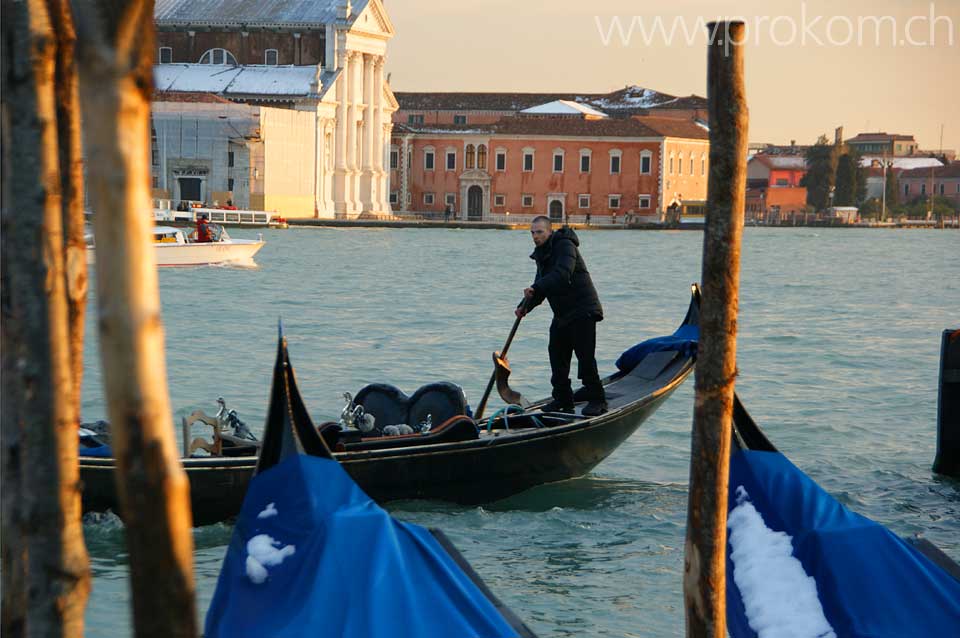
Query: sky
811	66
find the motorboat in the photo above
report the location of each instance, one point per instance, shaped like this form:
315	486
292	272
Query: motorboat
175	247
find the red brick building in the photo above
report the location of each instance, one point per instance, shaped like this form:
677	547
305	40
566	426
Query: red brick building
573	157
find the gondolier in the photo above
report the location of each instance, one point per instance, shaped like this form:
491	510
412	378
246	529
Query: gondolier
563	280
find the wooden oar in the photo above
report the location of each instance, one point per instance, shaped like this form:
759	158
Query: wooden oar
493	376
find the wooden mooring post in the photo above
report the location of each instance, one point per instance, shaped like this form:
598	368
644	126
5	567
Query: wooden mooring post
704	582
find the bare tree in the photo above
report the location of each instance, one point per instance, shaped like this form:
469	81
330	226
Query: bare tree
704	583
115	52
41	416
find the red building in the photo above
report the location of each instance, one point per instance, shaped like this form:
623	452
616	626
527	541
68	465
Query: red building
774	193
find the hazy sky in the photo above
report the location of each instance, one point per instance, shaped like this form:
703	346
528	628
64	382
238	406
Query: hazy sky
811	66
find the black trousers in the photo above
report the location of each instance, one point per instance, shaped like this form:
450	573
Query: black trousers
578	337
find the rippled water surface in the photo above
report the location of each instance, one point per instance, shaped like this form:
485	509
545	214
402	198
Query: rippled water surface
838	354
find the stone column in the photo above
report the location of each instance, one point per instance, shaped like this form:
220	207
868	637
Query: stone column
351	124
340	190
367	177
382	142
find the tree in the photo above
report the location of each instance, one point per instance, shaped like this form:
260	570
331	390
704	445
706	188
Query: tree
821	173
851	180
892	188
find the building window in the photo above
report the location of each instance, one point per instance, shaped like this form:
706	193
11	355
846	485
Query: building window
644	201
923	189
482	157
451	160
154	152
230	184
615	162
218	56
394	197
680	164
394	158
459	119
585	161
415	119
646	162
271	57
499	200
230	159
526	201
613	201
942	188
166	55
691	163
781	181
470	154
409	197
906	190
428	199
528	162
155	182
671	164
583	201
450	199
428	160
703	164
501	162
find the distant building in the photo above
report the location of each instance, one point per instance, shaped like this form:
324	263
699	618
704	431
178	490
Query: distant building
313	138
895	165
943	181
774	193
893	145
572	157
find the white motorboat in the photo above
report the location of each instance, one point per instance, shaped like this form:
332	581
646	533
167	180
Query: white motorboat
175	248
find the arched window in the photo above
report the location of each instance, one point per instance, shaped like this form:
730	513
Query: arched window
166	55
482	157
218	56
679	163
470	156
671	162
703	164
271	57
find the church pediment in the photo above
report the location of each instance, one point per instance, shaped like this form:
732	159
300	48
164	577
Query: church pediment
373	20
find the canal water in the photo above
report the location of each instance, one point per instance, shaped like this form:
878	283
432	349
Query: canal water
838	350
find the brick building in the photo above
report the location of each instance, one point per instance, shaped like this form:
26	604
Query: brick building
573	157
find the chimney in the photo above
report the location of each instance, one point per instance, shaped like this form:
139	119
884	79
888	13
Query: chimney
838	136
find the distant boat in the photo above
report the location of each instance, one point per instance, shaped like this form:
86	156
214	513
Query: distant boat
312	555
175	248
801	564
458	459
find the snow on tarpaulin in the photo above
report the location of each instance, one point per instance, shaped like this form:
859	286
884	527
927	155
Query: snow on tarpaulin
870	582
235	80
351	570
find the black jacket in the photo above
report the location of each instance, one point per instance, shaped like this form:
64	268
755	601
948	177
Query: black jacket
563	279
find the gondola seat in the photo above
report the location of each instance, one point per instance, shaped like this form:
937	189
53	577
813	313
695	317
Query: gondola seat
391	406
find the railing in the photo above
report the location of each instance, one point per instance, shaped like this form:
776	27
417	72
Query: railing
163	213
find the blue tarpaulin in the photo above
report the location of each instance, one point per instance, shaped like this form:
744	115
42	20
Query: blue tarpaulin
870	582
684	340
346	569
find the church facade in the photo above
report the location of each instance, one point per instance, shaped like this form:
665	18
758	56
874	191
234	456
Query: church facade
313	137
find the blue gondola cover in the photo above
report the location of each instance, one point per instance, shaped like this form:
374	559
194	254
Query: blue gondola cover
869	581
684	340
313	555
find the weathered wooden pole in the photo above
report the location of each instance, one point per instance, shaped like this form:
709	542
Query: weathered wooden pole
704	583
71	180
41	417
115	43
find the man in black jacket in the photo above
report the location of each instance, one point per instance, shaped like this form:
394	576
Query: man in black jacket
563	280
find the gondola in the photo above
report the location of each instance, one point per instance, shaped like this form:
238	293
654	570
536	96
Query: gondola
459	460
810	566
311	554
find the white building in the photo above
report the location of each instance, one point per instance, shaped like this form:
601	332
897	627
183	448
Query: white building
280	105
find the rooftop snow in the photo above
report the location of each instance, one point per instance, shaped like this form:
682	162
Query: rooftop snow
235	80
251	12
563	107
904	163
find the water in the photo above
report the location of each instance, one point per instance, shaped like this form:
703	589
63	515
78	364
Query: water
838	353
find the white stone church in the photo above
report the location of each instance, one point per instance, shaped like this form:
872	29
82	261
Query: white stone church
278	105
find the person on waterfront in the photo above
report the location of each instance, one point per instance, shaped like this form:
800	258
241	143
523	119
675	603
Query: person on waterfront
446	213
204	234
563	280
